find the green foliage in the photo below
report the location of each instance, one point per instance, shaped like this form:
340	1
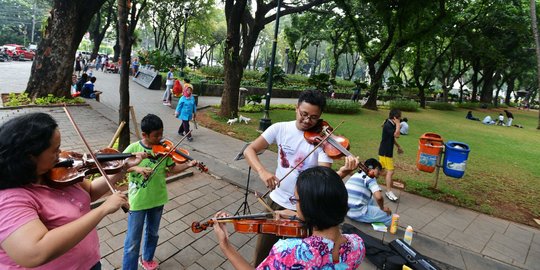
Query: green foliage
341	106
255	99
278	75
320	81
252	75
51	99
161	60
216	72
251	108
20	99
297	79
442	106
16	99
254	108
404	105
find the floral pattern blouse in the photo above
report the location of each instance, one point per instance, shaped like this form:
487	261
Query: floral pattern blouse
315	253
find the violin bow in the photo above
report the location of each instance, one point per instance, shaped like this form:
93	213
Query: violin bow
309	154
100	168
165	156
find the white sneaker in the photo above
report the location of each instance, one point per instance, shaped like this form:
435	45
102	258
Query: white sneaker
391	196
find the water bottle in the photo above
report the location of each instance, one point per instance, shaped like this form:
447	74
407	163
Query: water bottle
408	235
394	225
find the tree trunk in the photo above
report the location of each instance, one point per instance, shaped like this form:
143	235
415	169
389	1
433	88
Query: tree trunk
125	52
376	82
53	64
537	43
486	96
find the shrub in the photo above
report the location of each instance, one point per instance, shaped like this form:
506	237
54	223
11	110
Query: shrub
404	105
289	107
16	99
251	108
297	79
252	75
468	105
161	60
442	106
278	75
342	106
255	99
216	72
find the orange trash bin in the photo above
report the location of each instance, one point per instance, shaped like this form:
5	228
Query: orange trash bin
430	146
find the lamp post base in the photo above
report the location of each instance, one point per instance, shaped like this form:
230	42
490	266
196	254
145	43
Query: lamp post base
264	124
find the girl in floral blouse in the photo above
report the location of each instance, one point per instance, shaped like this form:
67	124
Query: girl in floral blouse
321	199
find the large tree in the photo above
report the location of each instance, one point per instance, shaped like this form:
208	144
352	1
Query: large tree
53	64
243	28
99	26
129	13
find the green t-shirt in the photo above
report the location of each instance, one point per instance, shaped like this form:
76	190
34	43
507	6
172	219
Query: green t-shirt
152	193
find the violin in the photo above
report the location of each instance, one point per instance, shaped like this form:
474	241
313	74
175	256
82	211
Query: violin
334	146
74	167
179	155
257	223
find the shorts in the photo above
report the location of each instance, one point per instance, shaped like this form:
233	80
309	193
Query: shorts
387	163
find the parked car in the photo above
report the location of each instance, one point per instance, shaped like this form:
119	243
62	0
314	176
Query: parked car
20	51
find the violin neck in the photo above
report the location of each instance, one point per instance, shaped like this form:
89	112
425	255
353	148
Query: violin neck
346	152
183	155
110	157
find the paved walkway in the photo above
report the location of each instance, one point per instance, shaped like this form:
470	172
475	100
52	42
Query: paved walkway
457	238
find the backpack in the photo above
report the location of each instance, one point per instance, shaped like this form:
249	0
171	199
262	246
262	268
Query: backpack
177	88
379	254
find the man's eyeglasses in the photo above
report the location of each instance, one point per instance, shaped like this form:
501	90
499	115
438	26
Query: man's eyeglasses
306	116
293	200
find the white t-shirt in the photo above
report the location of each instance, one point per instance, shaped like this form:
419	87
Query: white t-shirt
404	128
292	148
170	78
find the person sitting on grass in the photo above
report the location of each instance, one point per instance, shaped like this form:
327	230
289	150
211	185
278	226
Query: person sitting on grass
366	202
471	117
404	129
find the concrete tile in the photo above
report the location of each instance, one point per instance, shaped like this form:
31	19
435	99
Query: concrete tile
484	227
117	227
115	259
196	266
172	215
466	241
205	244
182	240
212	260
437	230
506	249
533	256
188	256
435	209
171	264
178	227
415	218
165	251
116	242
519	233
457	218
104	249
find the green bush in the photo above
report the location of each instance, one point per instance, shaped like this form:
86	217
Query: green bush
404	105
342	106
255	99
468	105
289	107
16	99
161	60
252	75
251	108
442	106
216	72
297	79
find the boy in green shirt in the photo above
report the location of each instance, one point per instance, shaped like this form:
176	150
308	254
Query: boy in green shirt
147	197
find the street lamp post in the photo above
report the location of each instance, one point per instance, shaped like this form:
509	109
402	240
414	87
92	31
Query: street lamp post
317	43
266	121
183	64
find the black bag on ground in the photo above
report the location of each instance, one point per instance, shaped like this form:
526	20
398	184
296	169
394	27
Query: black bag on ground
414	259
379	254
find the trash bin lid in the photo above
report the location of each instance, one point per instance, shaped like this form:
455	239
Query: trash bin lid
431	136
458	146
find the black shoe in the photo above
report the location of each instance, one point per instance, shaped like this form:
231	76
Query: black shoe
190	139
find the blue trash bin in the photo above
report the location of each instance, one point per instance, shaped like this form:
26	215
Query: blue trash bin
455	158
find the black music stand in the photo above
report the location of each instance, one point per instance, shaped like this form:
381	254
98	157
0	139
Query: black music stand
245	206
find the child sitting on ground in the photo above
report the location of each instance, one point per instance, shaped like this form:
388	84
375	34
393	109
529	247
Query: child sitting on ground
366	203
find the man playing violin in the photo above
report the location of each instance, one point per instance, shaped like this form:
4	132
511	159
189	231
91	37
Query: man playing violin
147	196
292	149
321	200
43	226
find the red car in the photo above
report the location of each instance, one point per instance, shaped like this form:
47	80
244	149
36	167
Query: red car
20	51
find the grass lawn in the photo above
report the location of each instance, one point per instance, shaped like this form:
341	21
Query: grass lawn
502	177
